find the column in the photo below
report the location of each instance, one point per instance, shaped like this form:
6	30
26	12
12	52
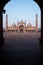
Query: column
41	39
1	29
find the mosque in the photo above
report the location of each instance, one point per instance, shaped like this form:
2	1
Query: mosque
21	26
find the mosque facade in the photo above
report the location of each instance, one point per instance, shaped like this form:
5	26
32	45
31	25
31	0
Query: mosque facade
21	26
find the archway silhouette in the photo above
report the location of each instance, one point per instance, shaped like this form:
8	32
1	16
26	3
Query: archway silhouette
24	57
1	19
27	15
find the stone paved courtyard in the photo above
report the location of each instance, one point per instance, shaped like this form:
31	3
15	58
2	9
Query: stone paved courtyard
21	49
21	40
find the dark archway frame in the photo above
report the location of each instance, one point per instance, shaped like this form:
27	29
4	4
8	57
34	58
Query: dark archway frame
3	3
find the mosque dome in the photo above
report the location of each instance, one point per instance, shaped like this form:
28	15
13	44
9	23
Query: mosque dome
21	22
13	25
29	25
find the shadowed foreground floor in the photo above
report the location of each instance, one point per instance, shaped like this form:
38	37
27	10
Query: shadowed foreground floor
21	49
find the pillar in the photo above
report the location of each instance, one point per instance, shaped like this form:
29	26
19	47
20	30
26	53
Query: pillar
41	39
1	29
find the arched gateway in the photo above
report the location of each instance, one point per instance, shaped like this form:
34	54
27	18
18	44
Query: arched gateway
21	28
3	3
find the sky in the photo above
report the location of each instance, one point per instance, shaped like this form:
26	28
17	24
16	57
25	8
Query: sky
22	10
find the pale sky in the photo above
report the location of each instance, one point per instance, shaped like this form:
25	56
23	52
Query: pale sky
22	10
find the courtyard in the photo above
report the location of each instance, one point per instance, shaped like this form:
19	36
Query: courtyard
21	40
21	48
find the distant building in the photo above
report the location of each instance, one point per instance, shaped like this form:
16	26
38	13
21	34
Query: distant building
21	26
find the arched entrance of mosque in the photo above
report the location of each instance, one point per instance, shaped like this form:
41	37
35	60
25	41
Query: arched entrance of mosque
2	4
21	28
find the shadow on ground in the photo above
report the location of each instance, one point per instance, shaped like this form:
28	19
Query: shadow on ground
21	49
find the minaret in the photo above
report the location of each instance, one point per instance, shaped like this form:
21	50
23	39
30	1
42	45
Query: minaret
36	22
6	22
17	25
25	26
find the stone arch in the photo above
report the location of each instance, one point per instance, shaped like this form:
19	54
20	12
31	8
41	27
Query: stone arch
38	2
3	3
